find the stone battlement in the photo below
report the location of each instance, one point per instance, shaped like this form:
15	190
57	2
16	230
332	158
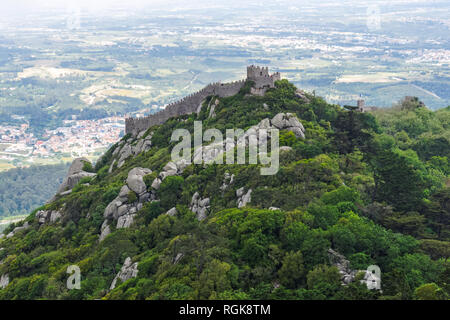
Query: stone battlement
193	102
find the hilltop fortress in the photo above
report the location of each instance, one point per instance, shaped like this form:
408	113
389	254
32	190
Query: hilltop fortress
193	103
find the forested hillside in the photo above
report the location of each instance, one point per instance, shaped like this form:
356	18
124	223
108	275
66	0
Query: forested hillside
24	189
372	187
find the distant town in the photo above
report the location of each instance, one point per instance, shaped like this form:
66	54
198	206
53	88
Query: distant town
76	138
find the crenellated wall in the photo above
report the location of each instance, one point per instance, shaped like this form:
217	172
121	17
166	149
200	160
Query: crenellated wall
192	103
187	105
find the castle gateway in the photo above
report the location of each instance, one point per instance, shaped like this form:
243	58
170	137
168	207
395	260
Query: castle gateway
192	103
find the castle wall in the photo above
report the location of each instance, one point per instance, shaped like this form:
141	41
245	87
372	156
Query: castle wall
192	103
187	105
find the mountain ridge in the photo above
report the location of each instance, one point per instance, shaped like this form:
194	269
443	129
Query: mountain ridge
227	232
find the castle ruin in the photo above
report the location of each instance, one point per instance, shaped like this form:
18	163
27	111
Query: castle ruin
193	102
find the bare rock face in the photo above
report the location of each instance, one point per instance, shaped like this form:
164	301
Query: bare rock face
129	270
343	265
50	216
156	183
120	208
77	166
370	279
289	122
74	176
243	198
301	94
227	181
171	169
4	281
135	179
126	150
172	212
125	221
105	231
200	206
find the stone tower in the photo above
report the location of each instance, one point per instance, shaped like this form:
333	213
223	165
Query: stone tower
262	79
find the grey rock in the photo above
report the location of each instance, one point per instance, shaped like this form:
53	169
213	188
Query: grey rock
181	165
105	231
145	197
125	153
77	166
172	212
111	209
123	194
156	184
122	210
244	199
55	216
129	270
163	175
264	124
4	281
297	131
200	206
177	258
74	175
125	221
240	192
111	167
65	193
170	166
135	179
141	134
279	121
42	216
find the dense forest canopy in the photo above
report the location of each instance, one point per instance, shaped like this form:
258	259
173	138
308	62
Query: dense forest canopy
24	189
373	187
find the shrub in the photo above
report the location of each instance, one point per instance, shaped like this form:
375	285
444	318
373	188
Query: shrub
132	197
87	166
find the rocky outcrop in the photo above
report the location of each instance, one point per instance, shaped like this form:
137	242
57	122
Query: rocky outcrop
243	198
48	216
177	258
343	265
135	180
289	122
370	279
4	281
105	230
227	181
282	121
121	209
156	183
129	270
172	169
200	206
127	149
302	95
74	176
25	226
172	212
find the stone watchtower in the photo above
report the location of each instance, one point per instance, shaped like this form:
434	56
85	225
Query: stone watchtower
262	79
